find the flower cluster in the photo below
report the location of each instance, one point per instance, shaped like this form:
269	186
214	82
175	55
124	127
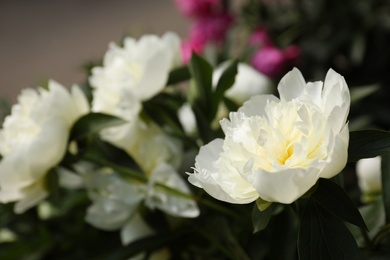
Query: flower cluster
211	22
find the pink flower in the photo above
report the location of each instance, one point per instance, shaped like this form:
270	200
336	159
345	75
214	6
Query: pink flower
198	8
212	28
260	37
273	61
191	45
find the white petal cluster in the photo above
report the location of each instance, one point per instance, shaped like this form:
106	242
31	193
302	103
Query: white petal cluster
34	139
277	149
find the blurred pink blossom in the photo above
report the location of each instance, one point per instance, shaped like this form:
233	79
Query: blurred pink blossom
212	28
191	45
273	61
198	8
260	37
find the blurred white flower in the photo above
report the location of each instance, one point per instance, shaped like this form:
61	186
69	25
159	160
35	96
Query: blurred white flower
139	69
129	75
277	149
249	82
187	118
34	139
148	145
369	175
170	203
116	201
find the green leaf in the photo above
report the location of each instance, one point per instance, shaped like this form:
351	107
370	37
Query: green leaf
226	80
201	72
368	144
204	128
260	219
93	123
178	75
324	236
386	185
336	201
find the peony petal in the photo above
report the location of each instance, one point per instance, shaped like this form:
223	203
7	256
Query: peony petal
292	85
255	106
336	94
339	157
31	196
42	154
158	66
108	214
80	101
248	82
369	175
136	228
284	186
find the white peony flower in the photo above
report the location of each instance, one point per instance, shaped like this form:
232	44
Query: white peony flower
277	149
132	74
249	82
369	175
34	139
139	69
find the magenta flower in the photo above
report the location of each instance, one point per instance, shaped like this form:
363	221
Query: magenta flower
211	29
190	45
260	37
273	61
198	8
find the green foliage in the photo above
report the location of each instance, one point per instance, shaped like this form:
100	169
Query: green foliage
368	144
334	199
93	123
324	236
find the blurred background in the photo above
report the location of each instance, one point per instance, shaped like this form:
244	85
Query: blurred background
45	39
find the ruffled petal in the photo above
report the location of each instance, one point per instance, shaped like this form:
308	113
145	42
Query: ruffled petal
227	186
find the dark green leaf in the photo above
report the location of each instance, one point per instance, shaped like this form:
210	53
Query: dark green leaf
93	123
178	75
147	244
324	236
336	201
386	185
204	128
227	80
260	219
230	104
201	72
368	144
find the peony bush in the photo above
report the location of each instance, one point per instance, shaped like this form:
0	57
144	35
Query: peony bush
213	146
